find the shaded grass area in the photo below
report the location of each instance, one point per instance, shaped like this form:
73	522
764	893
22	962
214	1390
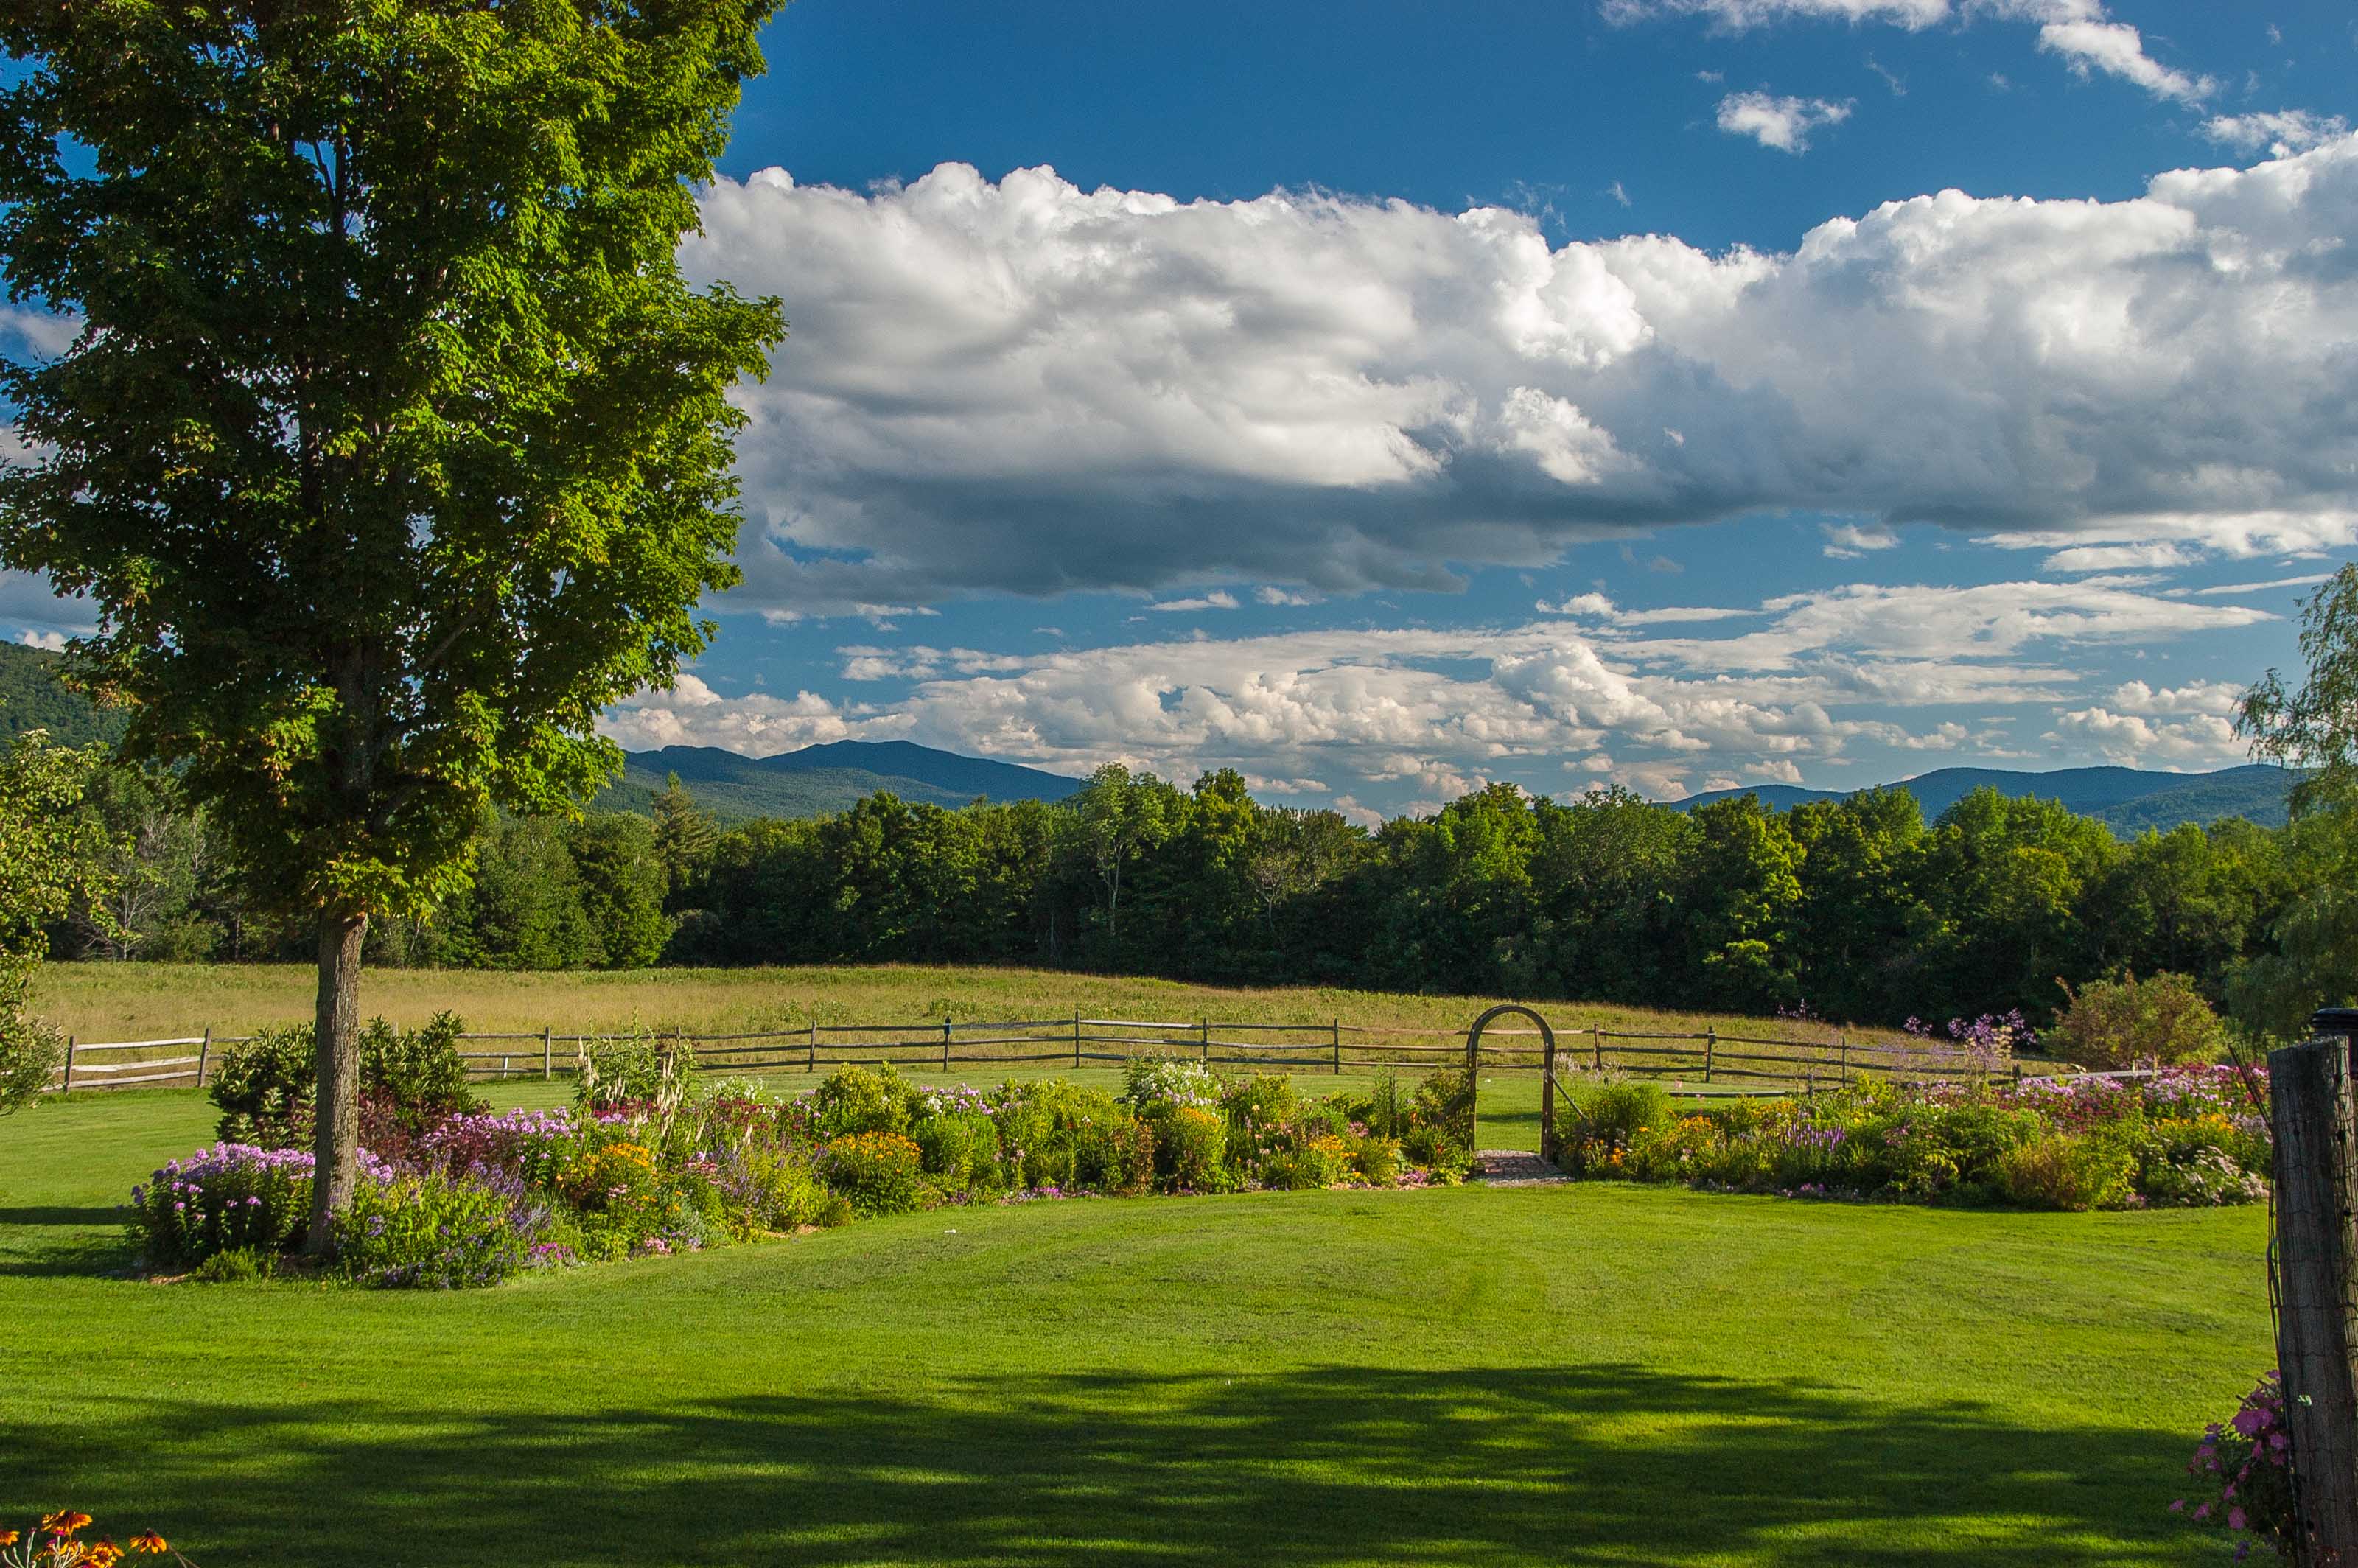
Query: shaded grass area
1587	1374
136	1001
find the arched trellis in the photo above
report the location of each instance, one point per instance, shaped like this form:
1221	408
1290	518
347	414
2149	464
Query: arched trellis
1547	1074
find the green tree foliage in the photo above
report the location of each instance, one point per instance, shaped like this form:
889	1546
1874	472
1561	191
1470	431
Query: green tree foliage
685	837
52	856
393	445
2314	960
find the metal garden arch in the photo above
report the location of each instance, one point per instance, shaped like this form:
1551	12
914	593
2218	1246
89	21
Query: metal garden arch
1547	1074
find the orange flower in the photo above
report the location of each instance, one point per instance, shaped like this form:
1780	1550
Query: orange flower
105	1554
147	1541
64	1522
7	1538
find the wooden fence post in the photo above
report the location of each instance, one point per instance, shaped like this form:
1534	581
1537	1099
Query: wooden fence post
1077	1039
66	1088
1709	1048
1842	1044
1599	1058
945	1043
810	1055
204	1054
1204	1034
1338	1047
2310	1112
547	1053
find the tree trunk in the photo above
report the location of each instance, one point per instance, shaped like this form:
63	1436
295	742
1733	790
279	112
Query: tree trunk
337	1105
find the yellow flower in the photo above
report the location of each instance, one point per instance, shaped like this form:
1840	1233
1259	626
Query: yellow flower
105	1554
148	1541
7	1538
65	1521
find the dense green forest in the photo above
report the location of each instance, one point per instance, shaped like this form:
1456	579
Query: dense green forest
1854	909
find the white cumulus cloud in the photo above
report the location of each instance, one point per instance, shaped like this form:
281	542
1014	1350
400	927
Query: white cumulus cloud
1785	123
1023	387
2283	133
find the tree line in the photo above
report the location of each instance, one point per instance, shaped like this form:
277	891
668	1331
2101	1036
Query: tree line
1858	909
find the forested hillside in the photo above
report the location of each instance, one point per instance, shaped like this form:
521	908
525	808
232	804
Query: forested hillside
2129	800
32	698
819	779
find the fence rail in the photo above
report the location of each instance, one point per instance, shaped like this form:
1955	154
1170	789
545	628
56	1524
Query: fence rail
1700	1063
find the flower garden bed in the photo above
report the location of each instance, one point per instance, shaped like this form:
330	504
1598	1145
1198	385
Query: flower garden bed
2183	1137
648	1162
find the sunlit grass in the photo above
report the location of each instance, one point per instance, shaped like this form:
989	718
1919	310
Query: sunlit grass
1585	1374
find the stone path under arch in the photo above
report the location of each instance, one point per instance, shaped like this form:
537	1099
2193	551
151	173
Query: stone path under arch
1516	1168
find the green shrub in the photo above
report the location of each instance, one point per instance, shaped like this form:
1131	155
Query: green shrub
960	1150
238	1266
854	1099
2068	1171
1114	1155
876	1173
2128	1022
428	1232
1262	1100
1601	1119
30	1054
410	1079
264	1086
418	1069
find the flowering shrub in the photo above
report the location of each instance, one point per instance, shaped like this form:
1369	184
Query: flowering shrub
1191	1146
877	1171
430	1232
2187	1137
57	1542
231	1197
1320	1163
2246	1471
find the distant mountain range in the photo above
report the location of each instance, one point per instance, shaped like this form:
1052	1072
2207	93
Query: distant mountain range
819	779
2128	800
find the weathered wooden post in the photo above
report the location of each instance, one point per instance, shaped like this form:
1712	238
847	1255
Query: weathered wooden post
2310	1111
945	1043
204	1055
547	1053
67	1086
1710	1049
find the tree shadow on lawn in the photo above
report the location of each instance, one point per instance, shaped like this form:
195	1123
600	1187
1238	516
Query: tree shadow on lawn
1596	1464
50	1241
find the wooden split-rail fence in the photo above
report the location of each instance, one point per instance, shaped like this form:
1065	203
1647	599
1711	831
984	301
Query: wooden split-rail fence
1709	1062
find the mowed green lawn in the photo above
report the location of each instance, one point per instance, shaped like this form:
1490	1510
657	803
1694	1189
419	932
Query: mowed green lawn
1589	1374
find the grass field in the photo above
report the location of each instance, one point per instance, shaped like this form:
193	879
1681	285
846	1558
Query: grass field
1584	1374
133	1001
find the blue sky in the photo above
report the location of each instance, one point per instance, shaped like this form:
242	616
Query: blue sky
1387	398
